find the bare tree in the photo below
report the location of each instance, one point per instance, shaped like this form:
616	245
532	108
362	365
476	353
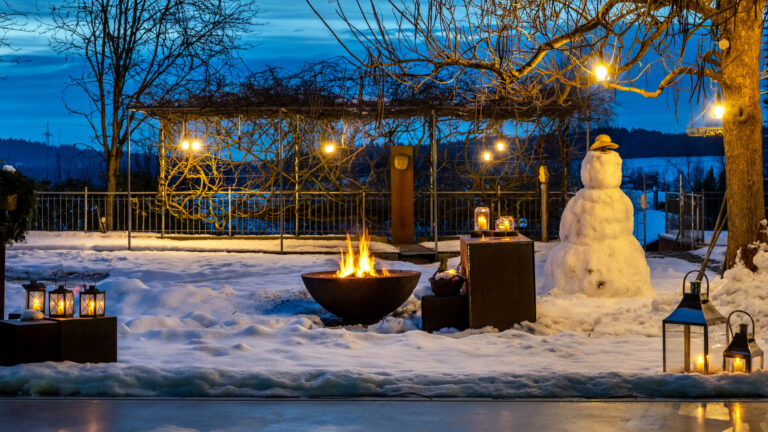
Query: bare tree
515	47
131	48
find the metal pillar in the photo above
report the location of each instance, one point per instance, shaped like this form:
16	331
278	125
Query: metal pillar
130	201
433	152
281	198
85	213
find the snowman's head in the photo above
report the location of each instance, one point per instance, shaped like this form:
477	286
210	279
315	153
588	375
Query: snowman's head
601	170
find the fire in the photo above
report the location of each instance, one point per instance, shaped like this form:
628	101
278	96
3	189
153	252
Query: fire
360	266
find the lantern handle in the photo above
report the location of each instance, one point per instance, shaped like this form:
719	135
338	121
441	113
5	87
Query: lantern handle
700	272
730	329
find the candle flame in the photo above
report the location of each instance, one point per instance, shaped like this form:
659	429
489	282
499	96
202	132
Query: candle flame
360	266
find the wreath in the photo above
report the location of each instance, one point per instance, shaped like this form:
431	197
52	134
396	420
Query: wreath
17	203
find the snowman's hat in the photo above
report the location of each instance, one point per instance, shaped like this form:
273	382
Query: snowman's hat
603	142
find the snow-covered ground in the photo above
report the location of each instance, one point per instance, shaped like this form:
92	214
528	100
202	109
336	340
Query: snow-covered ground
241	324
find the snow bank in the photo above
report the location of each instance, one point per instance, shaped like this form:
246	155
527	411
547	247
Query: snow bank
218	324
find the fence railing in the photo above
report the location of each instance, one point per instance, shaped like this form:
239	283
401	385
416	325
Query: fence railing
289	213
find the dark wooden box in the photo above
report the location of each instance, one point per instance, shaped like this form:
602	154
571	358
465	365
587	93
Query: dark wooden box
88	340
438	312
501	282
29	342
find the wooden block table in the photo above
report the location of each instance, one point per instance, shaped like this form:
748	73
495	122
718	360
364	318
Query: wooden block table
29	342
88	340
82	340
438	312
501	282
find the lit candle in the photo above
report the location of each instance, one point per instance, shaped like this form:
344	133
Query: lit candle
700	363
60	307
738	365
482	222
91	307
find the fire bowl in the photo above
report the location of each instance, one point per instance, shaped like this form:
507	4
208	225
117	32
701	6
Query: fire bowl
361	300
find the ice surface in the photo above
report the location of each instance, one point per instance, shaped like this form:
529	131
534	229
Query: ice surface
598	255
223	324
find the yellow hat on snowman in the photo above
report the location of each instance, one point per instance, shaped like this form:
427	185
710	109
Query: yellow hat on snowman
603	142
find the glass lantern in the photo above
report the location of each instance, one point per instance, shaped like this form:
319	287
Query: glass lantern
61	303
502	224
482	218
35	296
742	354
92	302
691	333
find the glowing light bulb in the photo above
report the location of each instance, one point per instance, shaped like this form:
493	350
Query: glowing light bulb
196	145
718	111
329	148
500	146
185	145
601	72
487	156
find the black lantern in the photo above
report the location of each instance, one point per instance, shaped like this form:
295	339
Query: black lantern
742	353
35	296
92	302
61	303
692	331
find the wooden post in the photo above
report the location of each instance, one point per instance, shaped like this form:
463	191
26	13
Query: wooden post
401	184
433	151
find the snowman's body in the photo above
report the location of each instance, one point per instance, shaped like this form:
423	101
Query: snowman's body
597	255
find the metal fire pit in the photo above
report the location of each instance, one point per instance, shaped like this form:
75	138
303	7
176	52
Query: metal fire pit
361	300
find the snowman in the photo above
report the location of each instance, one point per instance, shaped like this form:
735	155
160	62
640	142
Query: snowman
598	256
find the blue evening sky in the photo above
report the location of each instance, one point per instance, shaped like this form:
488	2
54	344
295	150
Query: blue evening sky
290	34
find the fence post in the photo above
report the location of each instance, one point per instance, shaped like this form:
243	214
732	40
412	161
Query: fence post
681	209
363	214
229	211
666	206
544	179
498	206
693	220
85	222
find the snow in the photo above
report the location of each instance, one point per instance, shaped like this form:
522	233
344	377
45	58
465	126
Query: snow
224	324
9	168
598	255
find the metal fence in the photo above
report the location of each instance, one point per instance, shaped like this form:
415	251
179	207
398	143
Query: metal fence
290	212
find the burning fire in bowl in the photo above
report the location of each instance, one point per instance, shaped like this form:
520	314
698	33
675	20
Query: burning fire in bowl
358	293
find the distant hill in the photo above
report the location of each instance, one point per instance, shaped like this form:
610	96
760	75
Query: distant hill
639	143
53	164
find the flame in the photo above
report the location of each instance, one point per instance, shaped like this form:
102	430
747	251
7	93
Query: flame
363	265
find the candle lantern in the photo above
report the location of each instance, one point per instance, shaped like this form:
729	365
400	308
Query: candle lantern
61	303
692	331
742	354
92	302
502	224
35	296
482	218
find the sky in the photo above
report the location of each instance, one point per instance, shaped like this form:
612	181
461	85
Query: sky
32	90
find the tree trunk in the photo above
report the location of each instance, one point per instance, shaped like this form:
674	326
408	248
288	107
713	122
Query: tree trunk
742	128
113	168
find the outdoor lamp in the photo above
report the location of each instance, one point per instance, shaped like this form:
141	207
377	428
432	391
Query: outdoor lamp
482	218
329	148
601	72
61	303
184	144
487	156
92	302
742	353
196	145
690	332
35	293
500	146
718	111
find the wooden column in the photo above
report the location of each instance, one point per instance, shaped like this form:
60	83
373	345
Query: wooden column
401	183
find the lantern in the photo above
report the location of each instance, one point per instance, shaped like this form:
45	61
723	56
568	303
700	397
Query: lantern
35	296
742	353
92	302
61	303
482	218
691	332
